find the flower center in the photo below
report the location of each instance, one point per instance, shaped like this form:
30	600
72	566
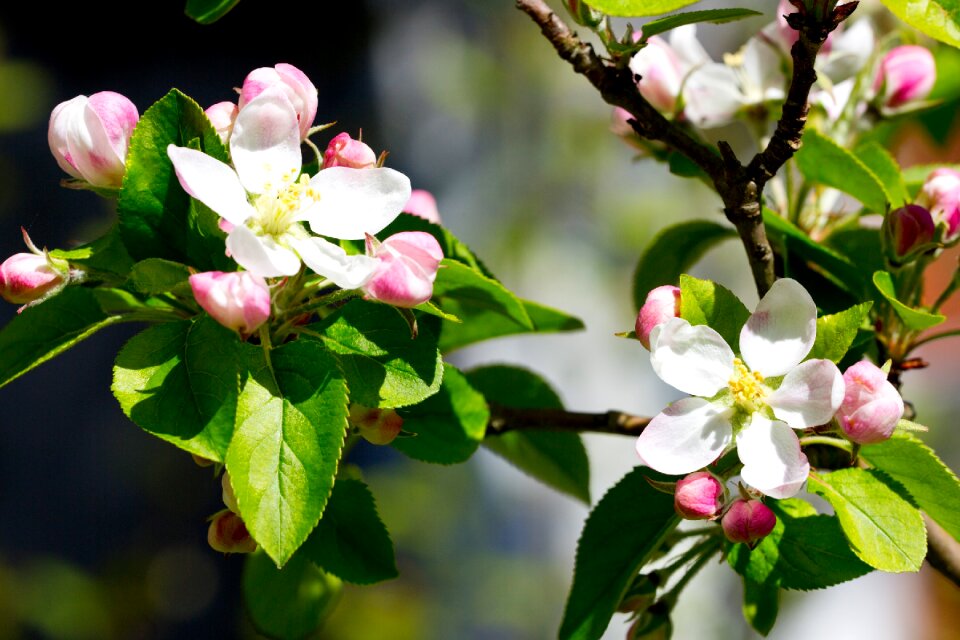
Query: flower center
278	209
746	386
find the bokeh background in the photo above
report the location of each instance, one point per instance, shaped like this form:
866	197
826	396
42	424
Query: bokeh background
102	526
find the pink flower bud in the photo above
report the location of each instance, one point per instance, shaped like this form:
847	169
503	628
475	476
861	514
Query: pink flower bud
238	300
222	115
748	521
662	303
377	426
344	151
25	277
941	195
659	74
906	74
228	534
89	137
295	84
408	264
908	228
699	496
423	204
871	406
229	497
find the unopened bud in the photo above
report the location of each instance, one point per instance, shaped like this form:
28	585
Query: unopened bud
238	300
641	593
222	115
294	83
344	151
906	74
748	521
377	426
228	534
407	267
25	277
940	194
662	304
907	230
699	496
871	406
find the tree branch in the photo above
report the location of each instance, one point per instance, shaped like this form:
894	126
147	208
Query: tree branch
943	551
504	419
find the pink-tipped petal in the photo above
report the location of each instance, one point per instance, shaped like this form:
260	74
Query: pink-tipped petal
423	204
406	269
687	436
809	394
238	300
781	331
661	304
265	144
344	151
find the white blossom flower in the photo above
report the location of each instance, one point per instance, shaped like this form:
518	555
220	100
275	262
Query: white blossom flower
265	199
753	401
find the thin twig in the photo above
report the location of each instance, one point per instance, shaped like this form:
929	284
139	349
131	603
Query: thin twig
504	419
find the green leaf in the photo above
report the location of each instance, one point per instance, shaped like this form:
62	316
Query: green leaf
840	269
915	319
884	530
466	293
836	332
105	254
383	364
715	16
48	329
932	485
449	425
886	169
546	319
761	604
351	542
282	459
939	19
556	458
822	160
804	551
631	8
289	603
672	252
705	302
157	217
155	275
621	534
179	381
209	11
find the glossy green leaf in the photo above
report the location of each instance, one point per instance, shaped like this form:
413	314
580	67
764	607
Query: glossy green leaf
932	485
804	551
836	332
885	168
715	16
155	275
706	302
621	535
822	160
631	8
916	319
179	381
209	11
289	603
48	329
556	458
383	364
449	425
351	542
282	459
672	252
105	255
467	293
884	530
939	19
761	604
157	217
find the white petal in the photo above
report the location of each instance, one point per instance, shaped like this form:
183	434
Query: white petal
331	261
265	144
683	40
354	202
712	95
763	74
809	395
261	255
695	360
772	460
211	182
781	331
688	435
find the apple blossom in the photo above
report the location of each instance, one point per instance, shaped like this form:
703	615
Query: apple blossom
871	406
753	401
698	496
906	74
424	205
25	277
748	521
228	534
407	264
89	137
222	115
295	85
662	303
238	300
266	199
344	151
940	194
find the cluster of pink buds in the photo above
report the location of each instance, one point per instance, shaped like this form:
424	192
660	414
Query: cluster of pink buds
376	426
227	533
239	300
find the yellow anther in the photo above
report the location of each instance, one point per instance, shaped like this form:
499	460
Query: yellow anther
746	386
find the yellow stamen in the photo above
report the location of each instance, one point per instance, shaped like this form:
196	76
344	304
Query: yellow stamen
746	386
278	209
